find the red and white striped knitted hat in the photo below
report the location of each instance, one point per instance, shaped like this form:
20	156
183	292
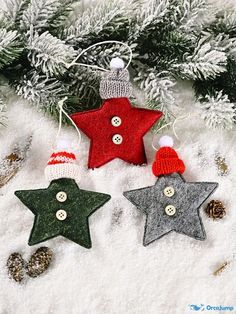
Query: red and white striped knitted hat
62	164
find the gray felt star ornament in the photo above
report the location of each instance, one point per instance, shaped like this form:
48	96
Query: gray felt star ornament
172	204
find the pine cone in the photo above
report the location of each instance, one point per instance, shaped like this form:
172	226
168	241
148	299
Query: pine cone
15	265
39	261
215	209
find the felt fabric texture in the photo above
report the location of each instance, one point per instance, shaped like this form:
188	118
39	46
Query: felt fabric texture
135	122
187	199
79	205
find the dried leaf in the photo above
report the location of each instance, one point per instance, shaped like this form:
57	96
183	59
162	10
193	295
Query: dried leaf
13	162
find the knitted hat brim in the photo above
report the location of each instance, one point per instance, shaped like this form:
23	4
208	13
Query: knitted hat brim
58	171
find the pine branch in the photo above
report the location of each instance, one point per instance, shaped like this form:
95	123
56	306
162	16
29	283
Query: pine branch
10	47
218	112
165	52
224	43
107	20
157	34
169	38
151	14
49	54
206	62
14	12
85	85
41	91
224	23
158	86
59	18
148	26
225	81
39	14
190	15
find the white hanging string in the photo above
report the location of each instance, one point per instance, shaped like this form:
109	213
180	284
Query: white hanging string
68	65
174	129
61	110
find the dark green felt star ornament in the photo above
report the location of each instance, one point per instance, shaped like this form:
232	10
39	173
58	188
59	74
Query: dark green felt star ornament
172	204
62	208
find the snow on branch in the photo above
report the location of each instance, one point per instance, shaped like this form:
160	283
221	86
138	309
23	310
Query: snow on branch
205	63
49	53
41	90
39	13
10	47
218	112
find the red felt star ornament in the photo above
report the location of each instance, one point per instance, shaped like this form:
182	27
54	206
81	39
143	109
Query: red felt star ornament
116	130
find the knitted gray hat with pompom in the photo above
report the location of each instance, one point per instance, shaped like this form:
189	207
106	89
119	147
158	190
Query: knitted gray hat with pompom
115	83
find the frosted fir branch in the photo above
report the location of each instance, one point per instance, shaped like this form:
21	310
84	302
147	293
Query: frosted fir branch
85	85
49	54
147	17
60	17
41	91
205	63
190	15
221	42
218	112
225	43
151	13
106	18
10	47
229	21
225	23
157	86
39	13
14	11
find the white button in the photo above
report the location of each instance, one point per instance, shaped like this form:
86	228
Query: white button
170	210
117	139
169	191
61	214
116	121
61	196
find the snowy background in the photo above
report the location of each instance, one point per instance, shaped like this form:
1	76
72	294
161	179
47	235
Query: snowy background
119	275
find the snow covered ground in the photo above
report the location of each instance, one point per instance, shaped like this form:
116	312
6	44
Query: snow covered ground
118	275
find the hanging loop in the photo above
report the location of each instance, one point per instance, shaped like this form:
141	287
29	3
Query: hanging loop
173	124
68	65
61	110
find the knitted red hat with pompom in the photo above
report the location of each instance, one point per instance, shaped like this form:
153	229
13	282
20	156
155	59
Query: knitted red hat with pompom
62	163
167	160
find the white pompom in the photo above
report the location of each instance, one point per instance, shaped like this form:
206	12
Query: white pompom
166	141
117	63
